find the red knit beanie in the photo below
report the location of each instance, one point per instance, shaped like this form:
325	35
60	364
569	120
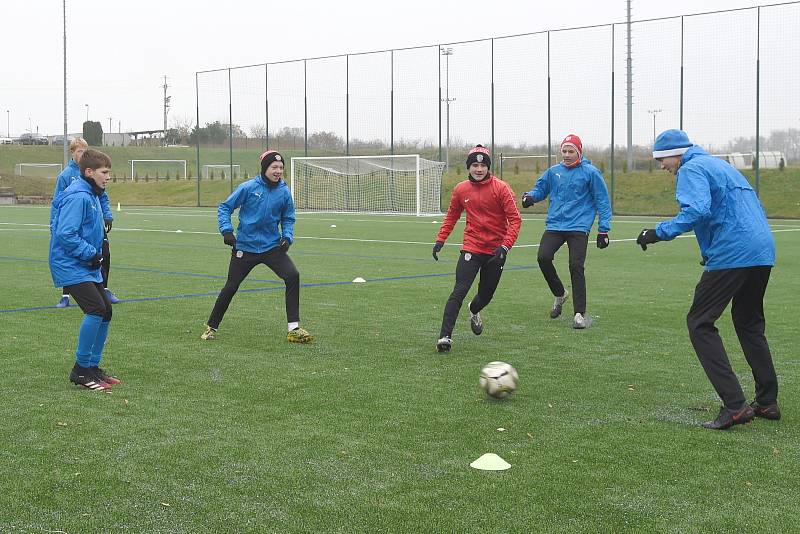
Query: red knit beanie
575	141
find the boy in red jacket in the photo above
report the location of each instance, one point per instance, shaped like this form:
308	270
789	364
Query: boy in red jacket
492	228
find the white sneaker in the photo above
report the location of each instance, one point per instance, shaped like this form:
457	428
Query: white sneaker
558	303
579	321
444	344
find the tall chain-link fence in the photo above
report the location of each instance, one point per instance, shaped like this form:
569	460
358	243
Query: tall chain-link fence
731	79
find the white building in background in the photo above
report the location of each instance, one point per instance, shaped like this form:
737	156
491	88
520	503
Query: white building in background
116	139
109	139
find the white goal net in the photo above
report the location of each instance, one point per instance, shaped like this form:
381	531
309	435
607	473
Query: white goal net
527	165
222	170
367	184
158	168
48	170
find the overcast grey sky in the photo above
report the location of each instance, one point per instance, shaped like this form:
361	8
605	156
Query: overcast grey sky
117	52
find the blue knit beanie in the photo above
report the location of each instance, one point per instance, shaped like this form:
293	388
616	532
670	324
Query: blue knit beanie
671	143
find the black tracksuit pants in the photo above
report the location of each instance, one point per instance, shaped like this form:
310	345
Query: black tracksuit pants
577	243
468	267
745	287
241	264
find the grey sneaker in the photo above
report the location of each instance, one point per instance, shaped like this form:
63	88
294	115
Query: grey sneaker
475	321
558	303
444	344
579	322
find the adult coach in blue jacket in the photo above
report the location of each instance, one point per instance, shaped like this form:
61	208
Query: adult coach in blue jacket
738	253
72	173
577	194
264	235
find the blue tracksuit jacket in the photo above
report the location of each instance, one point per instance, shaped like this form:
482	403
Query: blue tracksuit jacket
718	203
265	215
69	175
577	195
76	235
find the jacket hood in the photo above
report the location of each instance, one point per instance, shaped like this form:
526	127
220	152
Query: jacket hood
78	186
693	152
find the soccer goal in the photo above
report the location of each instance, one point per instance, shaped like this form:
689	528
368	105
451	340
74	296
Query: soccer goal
367	184
38	169
222	170
527	165
157	168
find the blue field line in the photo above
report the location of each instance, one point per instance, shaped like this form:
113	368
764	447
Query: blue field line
274	288
155	271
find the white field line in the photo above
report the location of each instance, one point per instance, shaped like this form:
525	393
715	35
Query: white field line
36	227
385	219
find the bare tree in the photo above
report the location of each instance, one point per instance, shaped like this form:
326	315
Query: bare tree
183	125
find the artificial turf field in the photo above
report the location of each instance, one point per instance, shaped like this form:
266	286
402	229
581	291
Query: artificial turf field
369	429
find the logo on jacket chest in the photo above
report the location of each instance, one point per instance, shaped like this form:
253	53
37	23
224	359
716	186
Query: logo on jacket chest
257	193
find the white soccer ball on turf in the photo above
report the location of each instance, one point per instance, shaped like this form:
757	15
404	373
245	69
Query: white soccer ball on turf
499	379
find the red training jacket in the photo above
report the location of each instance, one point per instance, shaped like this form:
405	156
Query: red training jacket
492	215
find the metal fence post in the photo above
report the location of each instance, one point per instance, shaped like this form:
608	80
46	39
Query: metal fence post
681	88
391	105
439	61
612	117
230	126
549	118
492	96
758	99
305	108
266	103
197	133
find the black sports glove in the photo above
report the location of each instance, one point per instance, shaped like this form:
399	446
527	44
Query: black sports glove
602	240
229	239
647	237
527	200
96	261
284	244
436	248
499	254
107	225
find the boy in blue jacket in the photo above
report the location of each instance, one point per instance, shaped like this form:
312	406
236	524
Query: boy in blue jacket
77	147
738	253
76	257
264	205
577	194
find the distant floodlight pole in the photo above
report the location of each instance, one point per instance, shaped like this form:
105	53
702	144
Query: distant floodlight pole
64	142
87	112
654	112
447	52
8	123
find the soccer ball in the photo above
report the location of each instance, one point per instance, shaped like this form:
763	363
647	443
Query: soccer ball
499	379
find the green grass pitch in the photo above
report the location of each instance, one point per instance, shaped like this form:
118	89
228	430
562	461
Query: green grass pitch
368	429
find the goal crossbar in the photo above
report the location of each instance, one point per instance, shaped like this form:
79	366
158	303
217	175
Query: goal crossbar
18	167
503	158
223	166
182	162
404	183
